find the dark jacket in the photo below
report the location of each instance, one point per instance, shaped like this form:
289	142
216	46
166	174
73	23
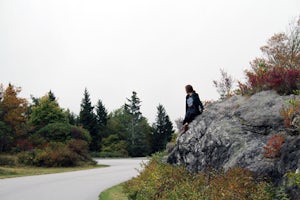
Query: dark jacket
196	106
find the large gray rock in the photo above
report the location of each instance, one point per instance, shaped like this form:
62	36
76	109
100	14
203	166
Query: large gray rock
234	132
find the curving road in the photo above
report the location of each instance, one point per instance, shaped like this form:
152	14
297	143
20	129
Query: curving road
79	185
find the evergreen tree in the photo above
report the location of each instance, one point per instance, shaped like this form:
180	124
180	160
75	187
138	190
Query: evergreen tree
6	137
35	100
162	130
1	91
87	119
101	118
101	114
51	96
118	123
133	108
72	117
138	128
169	129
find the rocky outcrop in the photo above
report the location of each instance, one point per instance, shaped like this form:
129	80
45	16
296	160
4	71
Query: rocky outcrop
234	132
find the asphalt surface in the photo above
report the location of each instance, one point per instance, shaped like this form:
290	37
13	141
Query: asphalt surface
79	185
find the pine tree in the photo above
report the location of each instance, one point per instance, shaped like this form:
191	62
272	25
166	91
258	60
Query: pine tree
169	129
51	96
133	108
6	137
101	117
101	114
162	130
138	128
72	117
87	119
1	91
35	100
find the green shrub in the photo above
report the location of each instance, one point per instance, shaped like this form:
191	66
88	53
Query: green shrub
159	180
58	132
74	153
55	154
280	194
80	149
80	133
23	145
58	154
8	160
170	146
114	147
58	145
37	141
61	132
294	178
290	112
26	158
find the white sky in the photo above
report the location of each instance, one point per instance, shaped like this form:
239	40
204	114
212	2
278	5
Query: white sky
113	47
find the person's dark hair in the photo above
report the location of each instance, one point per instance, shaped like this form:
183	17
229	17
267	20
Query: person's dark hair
189	89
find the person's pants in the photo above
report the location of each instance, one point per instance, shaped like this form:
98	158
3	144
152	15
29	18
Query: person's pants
189	117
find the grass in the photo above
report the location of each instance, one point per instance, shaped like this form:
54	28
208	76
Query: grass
113	193
12	172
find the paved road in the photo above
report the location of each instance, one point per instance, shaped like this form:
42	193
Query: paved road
79	185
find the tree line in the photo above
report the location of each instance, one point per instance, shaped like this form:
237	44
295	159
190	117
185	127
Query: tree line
124	132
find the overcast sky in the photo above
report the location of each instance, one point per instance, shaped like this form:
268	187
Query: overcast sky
114	47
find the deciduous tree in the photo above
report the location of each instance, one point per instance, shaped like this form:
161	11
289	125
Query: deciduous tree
279	67
283	49
13	109
224	85
45	112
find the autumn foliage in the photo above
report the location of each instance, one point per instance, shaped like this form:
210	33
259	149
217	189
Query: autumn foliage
163	181
283	80
58	154
274	144
13	109
40	134
12	116
279	67
289	113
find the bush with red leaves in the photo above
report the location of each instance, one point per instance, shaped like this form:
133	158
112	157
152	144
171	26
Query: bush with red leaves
283	80
274	144
24	145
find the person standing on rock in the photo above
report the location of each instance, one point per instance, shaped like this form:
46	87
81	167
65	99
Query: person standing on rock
194	107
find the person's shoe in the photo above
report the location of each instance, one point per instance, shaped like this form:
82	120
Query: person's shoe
184	129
